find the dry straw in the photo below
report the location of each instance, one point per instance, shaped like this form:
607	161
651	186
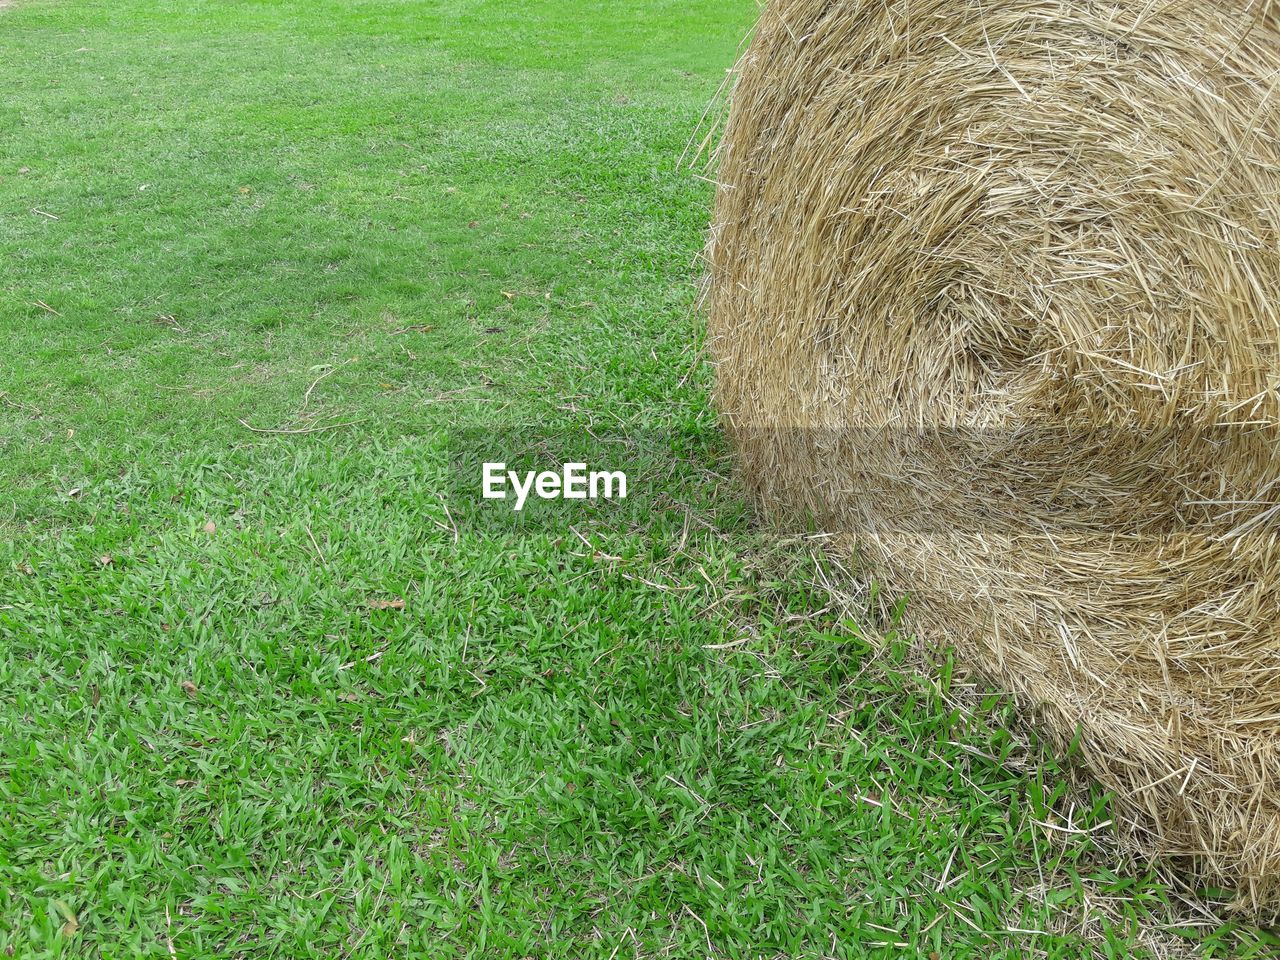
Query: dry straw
995	296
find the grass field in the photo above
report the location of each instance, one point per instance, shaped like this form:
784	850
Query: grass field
272	274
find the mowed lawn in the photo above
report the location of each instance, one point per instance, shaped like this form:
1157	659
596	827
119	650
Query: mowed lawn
273	277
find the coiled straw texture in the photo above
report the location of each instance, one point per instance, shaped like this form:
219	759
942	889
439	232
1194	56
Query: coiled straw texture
993	296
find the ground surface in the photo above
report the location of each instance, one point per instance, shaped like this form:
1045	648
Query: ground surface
289	693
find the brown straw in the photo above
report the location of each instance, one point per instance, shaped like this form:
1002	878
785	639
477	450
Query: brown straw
995	298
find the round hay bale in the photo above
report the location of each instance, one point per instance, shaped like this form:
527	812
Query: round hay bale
994	296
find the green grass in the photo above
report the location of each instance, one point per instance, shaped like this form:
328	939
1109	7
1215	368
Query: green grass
428	232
